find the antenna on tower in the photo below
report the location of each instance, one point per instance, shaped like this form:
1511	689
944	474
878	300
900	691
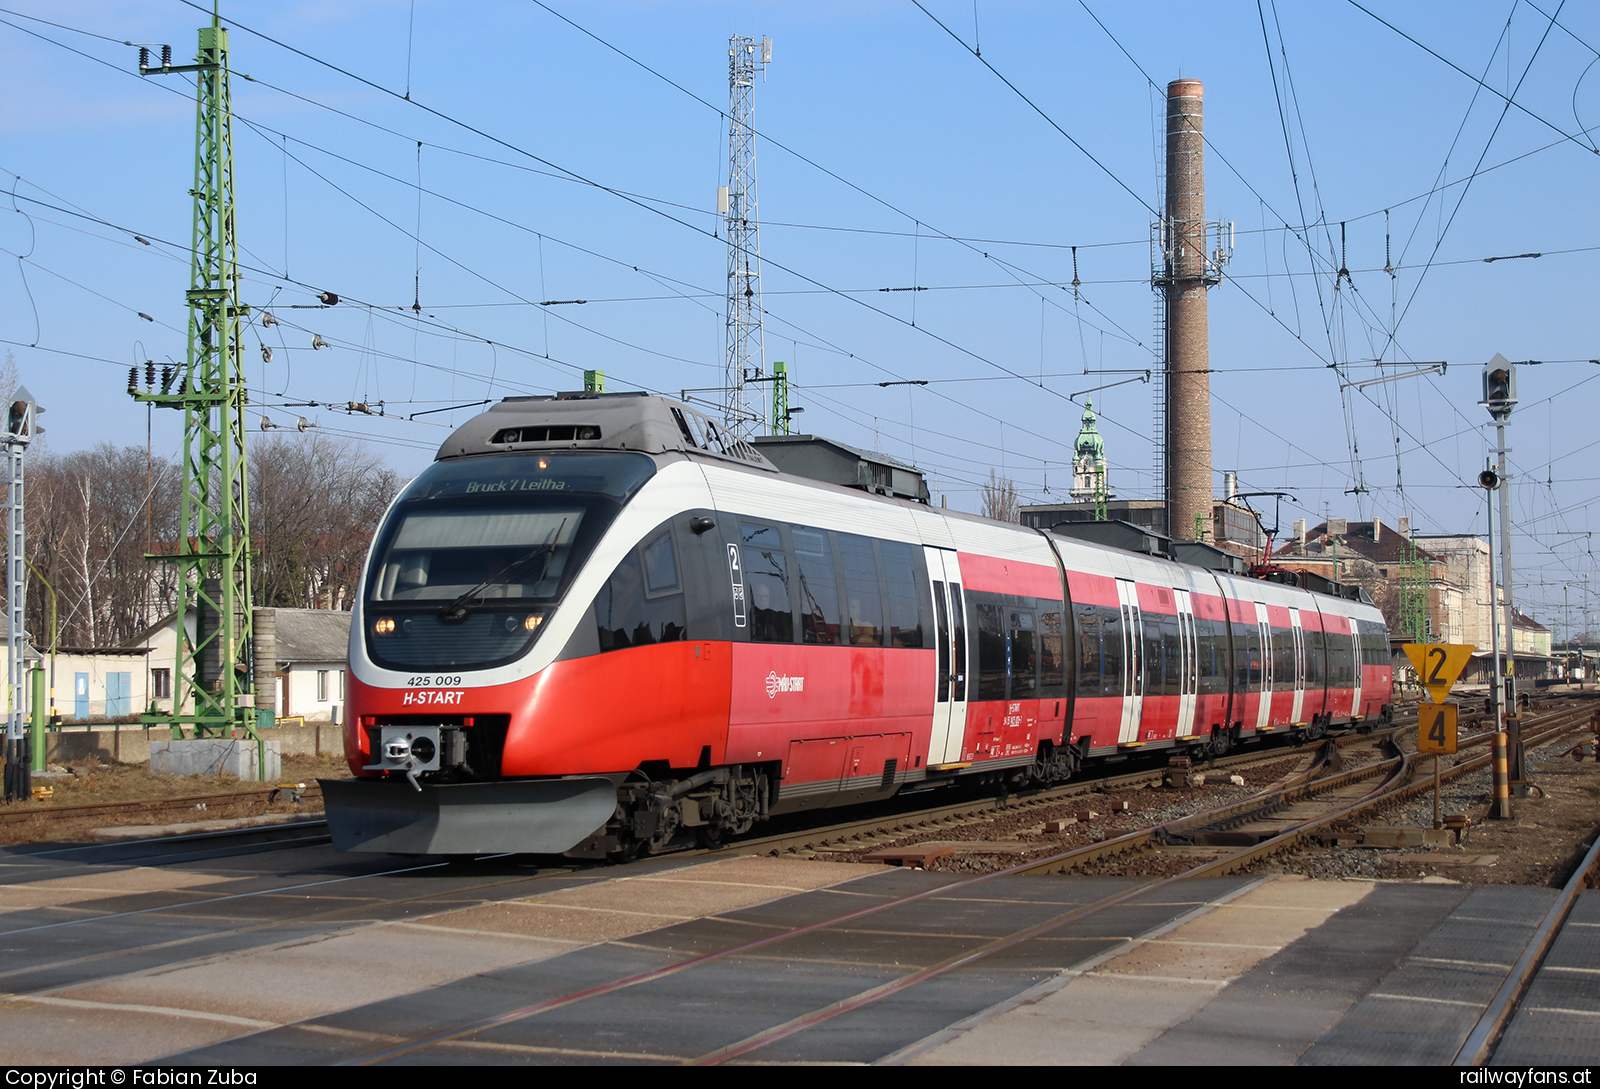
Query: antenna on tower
746	350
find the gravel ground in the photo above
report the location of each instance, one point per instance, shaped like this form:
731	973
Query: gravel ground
93	783
1539	846
1145	806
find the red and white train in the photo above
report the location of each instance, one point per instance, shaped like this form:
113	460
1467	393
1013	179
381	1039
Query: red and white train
597	624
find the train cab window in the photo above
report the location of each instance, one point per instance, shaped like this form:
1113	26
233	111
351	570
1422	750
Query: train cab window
637	606
766	573
905	602
862	590
818	586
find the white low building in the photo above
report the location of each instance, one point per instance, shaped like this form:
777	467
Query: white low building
313	647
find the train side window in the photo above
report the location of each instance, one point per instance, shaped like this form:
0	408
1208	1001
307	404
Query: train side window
1283	659
818	586
1171	657
660	566
862	590
1099	650
1052	657
905	602
1022	657
1213	638
991	637
626	615
1315	646
1247	648
1153	661
766	577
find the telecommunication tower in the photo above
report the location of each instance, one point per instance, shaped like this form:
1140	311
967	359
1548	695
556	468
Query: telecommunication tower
212	554
746	351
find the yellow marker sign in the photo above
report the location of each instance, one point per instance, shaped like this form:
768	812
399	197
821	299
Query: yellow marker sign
1436	727
1438	665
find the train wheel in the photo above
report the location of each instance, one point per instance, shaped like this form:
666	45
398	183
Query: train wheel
710	836
1219	744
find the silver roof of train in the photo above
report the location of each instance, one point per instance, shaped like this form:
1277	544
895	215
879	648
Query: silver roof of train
598	421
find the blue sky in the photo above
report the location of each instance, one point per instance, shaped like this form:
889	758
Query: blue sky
889	156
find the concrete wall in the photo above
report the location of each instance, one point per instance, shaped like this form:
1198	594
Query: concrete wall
131	744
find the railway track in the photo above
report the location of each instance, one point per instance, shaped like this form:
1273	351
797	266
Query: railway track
1282	820
218	802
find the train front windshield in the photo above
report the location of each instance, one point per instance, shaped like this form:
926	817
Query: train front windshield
479	551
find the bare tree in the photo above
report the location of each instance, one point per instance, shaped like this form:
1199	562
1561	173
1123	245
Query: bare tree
1000	499
86	518
315	500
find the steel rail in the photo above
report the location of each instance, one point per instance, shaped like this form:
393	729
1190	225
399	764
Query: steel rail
964	812
15	815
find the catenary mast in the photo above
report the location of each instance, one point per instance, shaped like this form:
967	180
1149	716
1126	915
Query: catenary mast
212	550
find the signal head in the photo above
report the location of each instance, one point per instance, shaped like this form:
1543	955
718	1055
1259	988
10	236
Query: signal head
1499	387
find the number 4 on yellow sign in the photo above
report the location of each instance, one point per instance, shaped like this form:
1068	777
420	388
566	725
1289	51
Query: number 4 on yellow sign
1436	727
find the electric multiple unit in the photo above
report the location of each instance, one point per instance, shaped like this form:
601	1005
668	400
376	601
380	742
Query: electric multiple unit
598	624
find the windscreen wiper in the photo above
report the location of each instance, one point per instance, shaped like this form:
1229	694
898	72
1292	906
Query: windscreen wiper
459	609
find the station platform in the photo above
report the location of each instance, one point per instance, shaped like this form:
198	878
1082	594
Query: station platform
763	960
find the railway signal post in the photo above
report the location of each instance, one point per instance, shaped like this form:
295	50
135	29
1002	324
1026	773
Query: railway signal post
18	751
1438	665
1500	397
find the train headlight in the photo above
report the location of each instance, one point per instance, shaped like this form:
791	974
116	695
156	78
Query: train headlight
384	626
533	621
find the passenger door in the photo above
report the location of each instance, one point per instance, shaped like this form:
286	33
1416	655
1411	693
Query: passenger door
1299	665
1264	634
1355	683
1188	670
950	674
1132	662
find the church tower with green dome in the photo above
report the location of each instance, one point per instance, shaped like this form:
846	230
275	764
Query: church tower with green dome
1089	461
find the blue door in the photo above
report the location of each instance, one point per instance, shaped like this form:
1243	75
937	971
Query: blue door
80	696
119	694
